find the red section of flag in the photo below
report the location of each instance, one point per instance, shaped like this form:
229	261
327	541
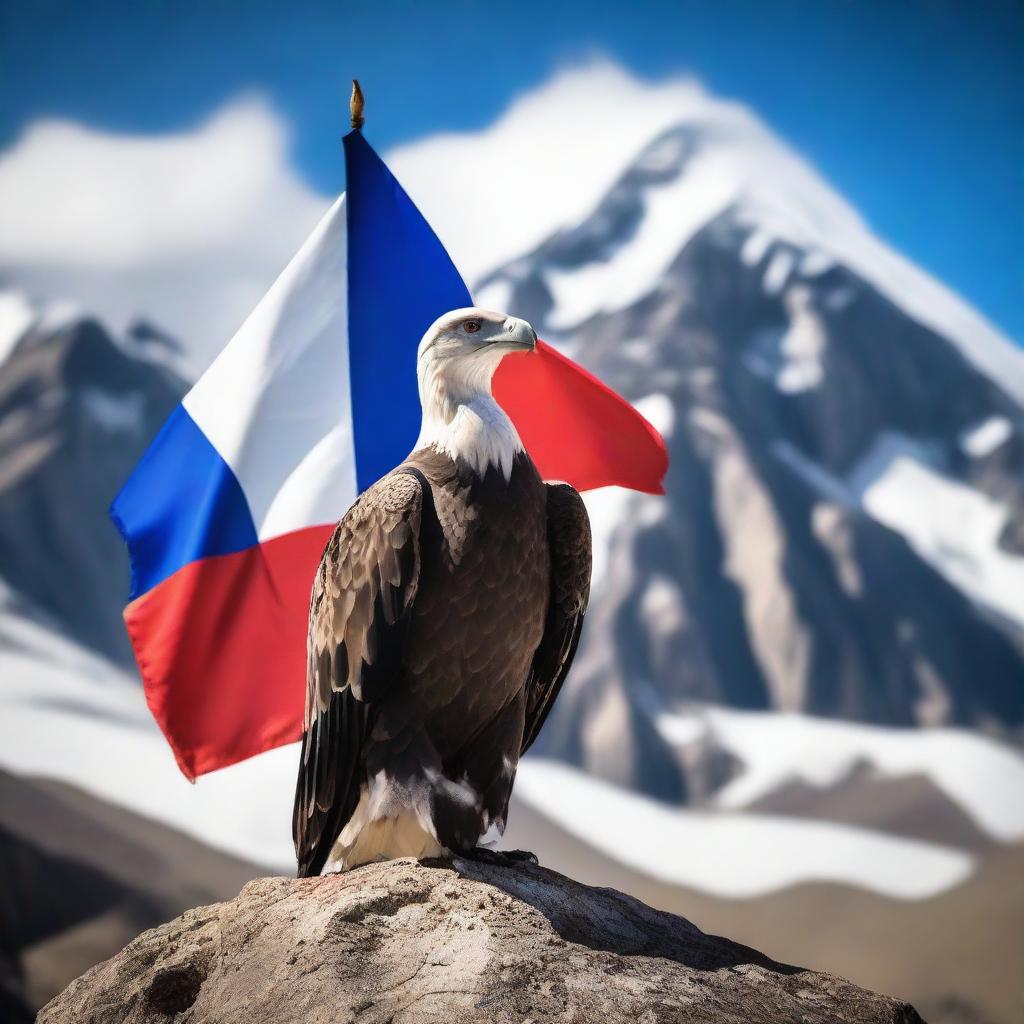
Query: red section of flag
575	428
221	646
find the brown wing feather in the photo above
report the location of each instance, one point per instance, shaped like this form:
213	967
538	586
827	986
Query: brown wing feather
569	544
359	616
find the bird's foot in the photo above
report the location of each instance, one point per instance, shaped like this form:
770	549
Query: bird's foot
501	858
521	856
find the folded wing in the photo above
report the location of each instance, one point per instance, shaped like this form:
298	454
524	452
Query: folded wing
359	616
570	546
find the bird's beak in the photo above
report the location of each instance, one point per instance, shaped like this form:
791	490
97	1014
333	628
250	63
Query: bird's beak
518	335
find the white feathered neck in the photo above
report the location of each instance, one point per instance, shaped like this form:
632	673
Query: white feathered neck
461	417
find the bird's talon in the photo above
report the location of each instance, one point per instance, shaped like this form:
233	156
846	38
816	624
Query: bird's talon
501	858
521	856
485	855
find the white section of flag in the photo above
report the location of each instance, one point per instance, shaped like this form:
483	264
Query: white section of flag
276	403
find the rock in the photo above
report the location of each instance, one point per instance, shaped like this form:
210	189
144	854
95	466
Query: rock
449	941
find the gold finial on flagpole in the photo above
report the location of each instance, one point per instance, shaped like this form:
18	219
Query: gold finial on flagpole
356	105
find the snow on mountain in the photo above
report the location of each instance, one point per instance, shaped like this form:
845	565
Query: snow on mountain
953	526
24	318
734	855
570	139
843	528
733	162
983	777
69	714
984	438
16	316
687	202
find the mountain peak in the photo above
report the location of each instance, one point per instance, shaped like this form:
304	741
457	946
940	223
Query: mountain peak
716	162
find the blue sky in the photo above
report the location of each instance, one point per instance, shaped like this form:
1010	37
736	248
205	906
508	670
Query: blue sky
914	111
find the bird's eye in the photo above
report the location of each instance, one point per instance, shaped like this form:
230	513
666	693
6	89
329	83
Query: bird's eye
471	326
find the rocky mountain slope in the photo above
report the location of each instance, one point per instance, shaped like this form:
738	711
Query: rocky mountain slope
77	410
459	941
845	500
955	956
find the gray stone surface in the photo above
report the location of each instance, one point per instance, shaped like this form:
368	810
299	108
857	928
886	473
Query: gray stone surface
452	941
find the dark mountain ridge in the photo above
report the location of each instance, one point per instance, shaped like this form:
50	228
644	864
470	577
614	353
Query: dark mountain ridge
797	393
77	410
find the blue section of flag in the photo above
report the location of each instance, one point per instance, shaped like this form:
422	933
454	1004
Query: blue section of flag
400	280
182	503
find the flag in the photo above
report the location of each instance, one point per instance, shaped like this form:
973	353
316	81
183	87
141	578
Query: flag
315	398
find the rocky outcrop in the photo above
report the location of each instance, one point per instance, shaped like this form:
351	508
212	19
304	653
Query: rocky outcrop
449	941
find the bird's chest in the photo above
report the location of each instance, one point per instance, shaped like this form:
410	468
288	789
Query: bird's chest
485	582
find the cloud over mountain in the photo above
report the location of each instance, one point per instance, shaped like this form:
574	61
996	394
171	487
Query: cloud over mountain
190	228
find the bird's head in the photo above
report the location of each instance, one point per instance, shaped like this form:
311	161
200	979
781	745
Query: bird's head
455	364
462	349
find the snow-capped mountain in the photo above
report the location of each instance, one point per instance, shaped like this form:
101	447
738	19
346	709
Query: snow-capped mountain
844	520
842	530
800	678
77	409
843	523
70	713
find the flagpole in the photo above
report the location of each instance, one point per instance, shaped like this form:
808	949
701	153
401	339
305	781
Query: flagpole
356	105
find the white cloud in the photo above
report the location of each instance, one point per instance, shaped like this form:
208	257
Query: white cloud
191	229
493	194
188	230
